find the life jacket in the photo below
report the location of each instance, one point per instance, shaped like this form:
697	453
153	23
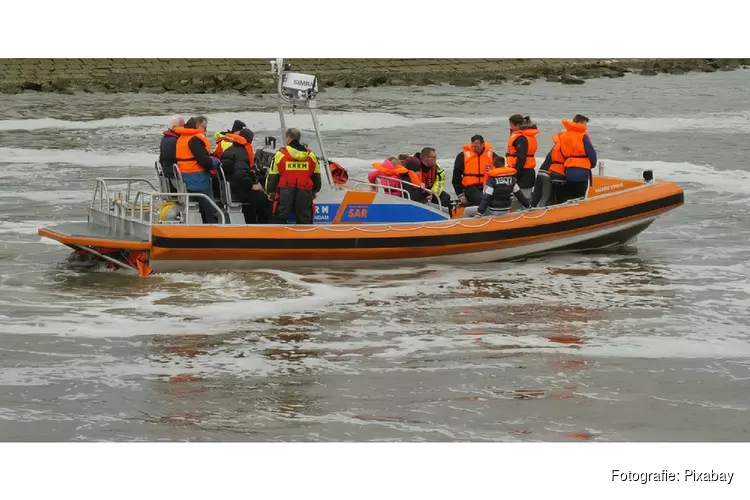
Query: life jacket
238	139
338	173
170	133
387	176
222	143
501	182
511	155
296	169
501	172
414	178
434	179
558	160
476	167
185	160
571	145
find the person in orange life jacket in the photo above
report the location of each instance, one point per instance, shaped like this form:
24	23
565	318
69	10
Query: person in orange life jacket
433	177
496	196
194	162
293	181
470	169
238	162
580	156
221	143
550	180
521	151
168	150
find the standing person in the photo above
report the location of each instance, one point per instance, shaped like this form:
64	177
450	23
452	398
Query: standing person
168	150
294	180
521	151
496	196
238	162
194	162
550	181
470	170
580	156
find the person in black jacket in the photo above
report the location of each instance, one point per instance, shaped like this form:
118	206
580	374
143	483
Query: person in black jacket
501	186
168	150
412	184
470	195
238	162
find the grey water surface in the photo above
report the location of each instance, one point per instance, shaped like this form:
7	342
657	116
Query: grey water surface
645	343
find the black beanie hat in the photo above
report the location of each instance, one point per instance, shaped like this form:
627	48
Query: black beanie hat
237	126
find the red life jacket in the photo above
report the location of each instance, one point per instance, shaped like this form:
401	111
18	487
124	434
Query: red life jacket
339	173
295	173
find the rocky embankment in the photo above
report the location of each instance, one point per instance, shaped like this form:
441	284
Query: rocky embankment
253	75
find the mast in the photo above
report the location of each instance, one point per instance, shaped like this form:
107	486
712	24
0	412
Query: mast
299	87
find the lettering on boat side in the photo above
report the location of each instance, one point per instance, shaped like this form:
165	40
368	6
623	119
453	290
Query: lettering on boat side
355	213
325	213
609	188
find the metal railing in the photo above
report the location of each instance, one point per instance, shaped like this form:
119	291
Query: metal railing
141	208
382	188
101	191
142	196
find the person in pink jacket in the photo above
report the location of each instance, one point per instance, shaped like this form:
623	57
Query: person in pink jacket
389	177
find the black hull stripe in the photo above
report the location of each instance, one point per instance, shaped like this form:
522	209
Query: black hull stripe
419	241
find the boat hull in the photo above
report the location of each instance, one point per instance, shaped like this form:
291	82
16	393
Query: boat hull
609	237
609	218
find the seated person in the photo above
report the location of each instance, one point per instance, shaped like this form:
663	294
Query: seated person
433	176
412	181
386	174
496	197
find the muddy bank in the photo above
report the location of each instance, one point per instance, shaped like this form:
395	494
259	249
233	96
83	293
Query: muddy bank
253	76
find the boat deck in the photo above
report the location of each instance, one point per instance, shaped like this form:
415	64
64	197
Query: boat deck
83	233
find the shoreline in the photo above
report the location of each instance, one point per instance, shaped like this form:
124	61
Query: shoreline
252	76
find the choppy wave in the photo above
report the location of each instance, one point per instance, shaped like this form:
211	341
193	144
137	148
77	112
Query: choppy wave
75	157
220	121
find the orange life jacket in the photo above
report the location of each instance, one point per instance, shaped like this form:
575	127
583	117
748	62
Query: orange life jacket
414	177
238	139
185	160
571	145
476	167
511	155
338	173
295	173
558	160
501	171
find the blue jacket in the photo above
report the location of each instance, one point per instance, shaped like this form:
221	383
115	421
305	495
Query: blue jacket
200	182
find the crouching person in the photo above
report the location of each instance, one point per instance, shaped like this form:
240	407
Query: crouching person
293	181
500	187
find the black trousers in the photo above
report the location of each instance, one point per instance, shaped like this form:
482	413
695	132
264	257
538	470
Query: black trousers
256	208
208	212
575	190
445	199
299	201
473	194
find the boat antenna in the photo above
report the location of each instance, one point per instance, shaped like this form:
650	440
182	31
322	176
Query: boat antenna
299	87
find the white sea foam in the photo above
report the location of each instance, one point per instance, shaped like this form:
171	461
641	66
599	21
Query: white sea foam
329	121
76	157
